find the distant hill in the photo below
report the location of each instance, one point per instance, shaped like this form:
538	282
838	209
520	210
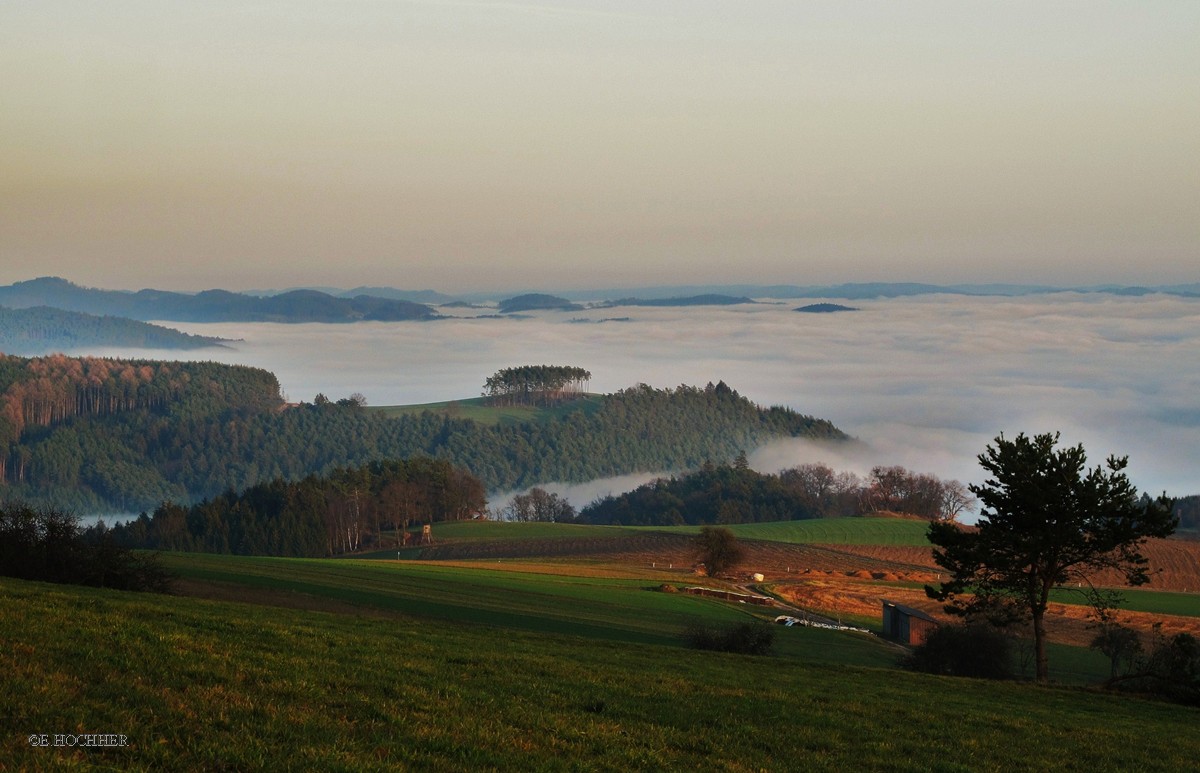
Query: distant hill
431	297
709	299
537	302
42	330
824	308
210	305
865	290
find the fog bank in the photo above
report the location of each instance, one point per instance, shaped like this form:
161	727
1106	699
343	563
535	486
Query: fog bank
925	382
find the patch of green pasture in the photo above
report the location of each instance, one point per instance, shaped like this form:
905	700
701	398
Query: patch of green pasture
497	531
602	608
504	531
829	531
198	685
608	609
1158	602
477	409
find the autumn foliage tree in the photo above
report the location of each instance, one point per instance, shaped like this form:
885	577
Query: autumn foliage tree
1046	521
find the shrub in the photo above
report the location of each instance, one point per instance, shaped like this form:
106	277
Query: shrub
1171	670
742	638
47	545
971	649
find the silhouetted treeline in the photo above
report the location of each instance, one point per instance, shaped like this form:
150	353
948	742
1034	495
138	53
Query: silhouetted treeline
1187	509
48	545
342	512
123	436
725	494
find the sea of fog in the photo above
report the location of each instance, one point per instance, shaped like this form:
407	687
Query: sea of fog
926	382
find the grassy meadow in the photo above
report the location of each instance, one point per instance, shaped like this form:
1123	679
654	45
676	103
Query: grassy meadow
523	664
829	531
1157	602
198	684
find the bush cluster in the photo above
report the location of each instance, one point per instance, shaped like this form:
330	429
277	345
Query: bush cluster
1171	670
742	638
48	545
970	649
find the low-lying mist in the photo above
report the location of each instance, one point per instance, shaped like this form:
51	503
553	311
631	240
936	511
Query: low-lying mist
924	382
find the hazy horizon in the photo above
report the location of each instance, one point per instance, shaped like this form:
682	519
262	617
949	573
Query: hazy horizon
483	145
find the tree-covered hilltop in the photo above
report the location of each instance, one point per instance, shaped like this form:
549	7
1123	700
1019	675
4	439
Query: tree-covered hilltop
536	384
341	512
119	436
726	494
42	330
536	302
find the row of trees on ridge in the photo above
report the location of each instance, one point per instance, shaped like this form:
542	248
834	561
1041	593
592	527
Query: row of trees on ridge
536	384
345	511
725	494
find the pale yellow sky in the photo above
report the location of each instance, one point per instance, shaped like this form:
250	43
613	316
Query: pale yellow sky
471	145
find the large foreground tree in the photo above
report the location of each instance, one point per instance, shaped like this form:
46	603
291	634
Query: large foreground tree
1045	521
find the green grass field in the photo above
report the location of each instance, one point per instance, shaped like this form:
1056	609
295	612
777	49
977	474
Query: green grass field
195	684
503	531
1140	600
603	608
354	664
830	531
477	409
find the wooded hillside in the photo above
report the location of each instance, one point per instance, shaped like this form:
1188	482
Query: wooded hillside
122	436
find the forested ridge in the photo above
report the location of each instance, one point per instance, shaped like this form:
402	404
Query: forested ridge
210	305
41	330
727	494
43	392
98	435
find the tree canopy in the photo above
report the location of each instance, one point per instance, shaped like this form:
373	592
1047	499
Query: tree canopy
1046	521
536	384
342	512
737	494
718	549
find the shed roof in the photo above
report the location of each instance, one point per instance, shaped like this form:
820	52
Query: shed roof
910	611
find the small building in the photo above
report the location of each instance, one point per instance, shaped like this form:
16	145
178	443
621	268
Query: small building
905	624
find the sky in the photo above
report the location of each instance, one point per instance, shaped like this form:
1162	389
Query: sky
470	145
924	382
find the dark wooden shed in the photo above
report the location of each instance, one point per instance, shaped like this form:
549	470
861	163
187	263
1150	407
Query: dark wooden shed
905	624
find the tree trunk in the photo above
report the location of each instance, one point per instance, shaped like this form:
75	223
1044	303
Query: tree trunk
1042	665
